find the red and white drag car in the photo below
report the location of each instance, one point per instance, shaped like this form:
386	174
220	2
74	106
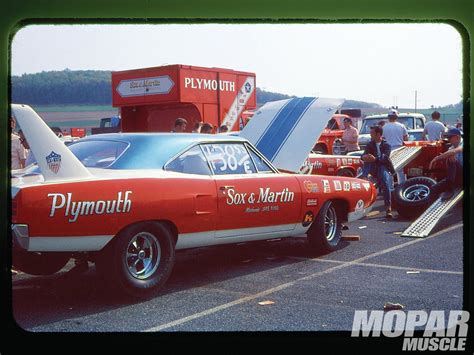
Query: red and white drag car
128	201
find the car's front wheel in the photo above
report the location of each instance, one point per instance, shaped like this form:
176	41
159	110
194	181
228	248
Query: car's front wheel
325	232
414	196
140	261
36	263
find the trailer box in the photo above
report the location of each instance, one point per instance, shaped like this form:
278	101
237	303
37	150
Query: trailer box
151	99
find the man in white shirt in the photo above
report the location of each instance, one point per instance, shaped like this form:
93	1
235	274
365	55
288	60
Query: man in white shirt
395	133
434	129
18	152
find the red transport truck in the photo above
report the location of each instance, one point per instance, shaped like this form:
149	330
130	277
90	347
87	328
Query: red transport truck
151	99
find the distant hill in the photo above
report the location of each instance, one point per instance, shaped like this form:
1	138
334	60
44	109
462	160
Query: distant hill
93	87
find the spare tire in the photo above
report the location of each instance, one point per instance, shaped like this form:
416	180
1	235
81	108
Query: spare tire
414	196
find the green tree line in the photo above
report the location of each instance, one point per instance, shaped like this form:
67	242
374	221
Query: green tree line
93	87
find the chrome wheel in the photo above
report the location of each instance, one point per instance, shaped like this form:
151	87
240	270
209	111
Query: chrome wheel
330	223
143	255
416	192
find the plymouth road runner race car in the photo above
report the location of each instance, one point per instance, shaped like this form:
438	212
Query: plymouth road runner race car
128	201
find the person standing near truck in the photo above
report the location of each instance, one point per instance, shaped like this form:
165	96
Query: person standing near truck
434	129
350	137
395	133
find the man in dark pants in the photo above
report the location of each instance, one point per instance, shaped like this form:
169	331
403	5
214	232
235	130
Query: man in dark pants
377	163
454	165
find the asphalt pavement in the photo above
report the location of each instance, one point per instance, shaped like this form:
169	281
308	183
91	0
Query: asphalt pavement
263	286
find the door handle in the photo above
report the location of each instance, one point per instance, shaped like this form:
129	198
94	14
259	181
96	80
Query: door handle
225	187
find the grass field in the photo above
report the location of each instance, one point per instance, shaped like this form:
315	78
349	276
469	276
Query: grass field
72	108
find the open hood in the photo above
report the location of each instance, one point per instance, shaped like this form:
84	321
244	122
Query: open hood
285	131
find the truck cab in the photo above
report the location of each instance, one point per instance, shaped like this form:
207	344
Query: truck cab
414	122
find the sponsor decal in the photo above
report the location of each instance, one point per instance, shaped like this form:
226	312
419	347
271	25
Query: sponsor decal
347	186
308	166
308	218
265	195
311	186
349	161
145	86
248	87
359	206
355	185
337	185
312	202
366	186
326	187
344	161
442	331
209	84
331	162
54	162
73	208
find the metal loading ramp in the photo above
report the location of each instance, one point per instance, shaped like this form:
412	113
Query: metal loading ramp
402	156
422	226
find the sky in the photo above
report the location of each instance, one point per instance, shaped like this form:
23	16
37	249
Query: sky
380	63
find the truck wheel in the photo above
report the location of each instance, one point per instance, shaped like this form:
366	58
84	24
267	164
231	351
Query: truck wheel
39	263
325	232
413	196
320	149
345	172
139	262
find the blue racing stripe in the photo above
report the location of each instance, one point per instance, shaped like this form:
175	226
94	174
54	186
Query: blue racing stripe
282	125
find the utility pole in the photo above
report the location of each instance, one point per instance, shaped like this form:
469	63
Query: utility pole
416	99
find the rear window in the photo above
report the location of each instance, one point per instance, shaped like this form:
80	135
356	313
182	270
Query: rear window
98	154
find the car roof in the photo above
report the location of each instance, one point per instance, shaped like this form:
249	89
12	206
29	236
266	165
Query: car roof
153	150
406	114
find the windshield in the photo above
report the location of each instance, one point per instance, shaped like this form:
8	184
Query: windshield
98	154
369	122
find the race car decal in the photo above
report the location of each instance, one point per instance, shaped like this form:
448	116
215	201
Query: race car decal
312	202
265	195
74	209
326	187
356	186
347	186
366	186
311	186
337	185
359	206
54	162
308	218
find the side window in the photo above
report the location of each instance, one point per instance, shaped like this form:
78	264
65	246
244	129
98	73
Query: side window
190	162
262	166
332	124
228	158
419	123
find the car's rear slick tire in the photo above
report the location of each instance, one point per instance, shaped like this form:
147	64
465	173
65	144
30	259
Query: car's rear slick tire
325	233
139	261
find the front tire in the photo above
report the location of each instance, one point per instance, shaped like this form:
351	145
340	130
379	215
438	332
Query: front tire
140	260
325	232
35	263
414	196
